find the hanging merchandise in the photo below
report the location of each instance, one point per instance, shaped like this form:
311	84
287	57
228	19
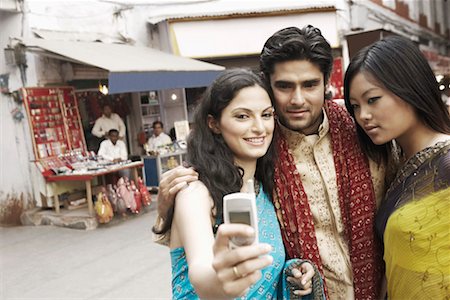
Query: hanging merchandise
103	209
54	121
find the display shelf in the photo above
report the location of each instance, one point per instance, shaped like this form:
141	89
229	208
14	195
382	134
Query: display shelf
54	120
150	110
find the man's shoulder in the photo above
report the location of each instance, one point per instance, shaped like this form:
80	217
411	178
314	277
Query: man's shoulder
115	116
120	142
99	119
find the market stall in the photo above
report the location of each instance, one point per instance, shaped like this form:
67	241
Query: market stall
62	163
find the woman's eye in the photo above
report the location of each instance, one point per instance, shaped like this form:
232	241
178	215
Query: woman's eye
373	99
241	116
354	106
267	115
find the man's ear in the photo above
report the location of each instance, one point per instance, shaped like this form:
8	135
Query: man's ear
213	124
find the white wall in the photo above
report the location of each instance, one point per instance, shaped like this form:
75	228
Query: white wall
87	18
15	141
217	38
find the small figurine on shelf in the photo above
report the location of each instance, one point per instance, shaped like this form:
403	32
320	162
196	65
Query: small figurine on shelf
137	197
103	209
125	193
112	196
145	195
121	205
134	206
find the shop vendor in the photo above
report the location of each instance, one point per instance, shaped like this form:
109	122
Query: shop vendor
113	149
158	139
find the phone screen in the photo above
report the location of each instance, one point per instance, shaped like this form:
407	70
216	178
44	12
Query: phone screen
242	217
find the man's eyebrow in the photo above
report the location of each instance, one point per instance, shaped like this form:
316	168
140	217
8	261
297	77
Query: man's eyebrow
315	80
283	81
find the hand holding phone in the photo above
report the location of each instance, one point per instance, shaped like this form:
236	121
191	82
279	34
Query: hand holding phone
241	208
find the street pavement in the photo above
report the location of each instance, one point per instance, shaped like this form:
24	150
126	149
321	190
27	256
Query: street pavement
117	261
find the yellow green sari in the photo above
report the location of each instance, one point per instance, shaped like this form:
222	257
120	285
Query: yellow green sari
414	224
417	249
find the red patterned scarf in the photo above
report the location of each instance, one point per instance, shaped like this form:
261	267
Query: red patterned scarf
356	199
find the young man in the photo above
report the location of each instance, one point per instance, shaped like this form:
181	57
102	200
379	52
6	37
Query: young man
326	190
113	149
108	121
159	138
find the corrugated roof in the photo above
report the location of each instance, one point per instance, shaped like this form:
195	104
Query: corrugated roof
120	57
133	68
222	8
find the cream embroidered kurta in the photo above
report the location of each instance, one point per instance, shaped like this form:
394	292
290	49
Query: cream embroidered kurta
313	157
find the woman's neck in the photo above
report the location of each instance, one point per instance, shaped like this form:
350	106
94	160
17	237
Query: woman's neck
249	168
419	139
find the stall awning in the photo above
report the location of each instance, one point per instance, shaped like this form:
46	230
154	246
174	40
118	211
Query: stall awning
133	68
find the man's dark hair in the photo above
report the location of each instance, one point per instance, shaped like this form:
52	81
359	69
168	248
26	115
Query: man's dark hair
157	122
113	131
293	43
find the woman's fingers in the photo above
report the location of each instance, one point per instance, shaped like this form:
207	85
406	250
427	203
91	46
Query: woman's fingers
241	255
240	286
226	231
178	174
224	256
236	272
170	184
238	268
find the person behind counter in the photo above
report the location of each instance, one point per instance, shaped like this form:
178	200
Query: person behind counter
113	149
159	138
108	121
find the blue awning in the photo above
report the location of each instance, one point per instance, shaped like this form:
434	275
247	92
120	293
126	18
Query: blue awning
158	80
133	68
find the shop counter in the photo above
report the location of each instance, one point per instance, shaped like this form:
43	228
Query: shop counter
88	176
